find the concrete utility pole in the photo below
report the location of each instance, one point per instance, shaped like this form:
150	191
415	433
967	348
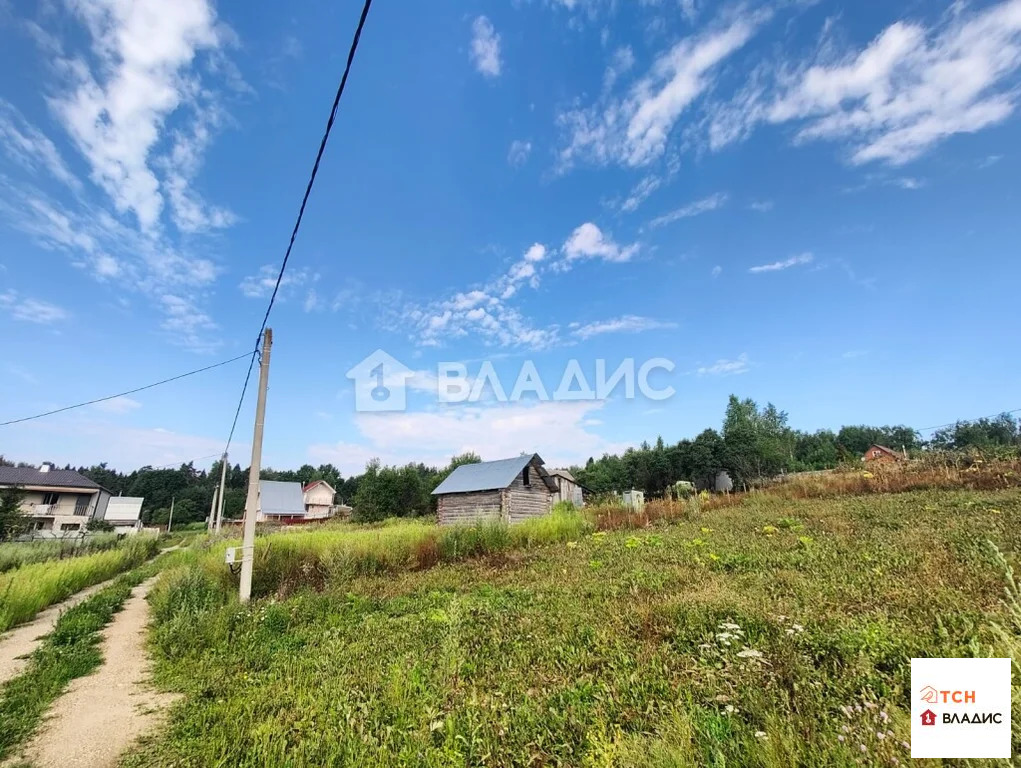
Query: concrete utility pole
252	502
223	491
212	511
170	521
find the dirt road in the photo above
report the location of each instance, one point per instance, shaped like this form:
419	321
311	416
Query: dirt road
102	714
22	640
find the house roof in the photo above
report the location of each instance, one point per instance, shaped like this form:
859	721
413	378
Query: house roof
490	475
884	449
124	508
562	473
54	478
314	483
278	498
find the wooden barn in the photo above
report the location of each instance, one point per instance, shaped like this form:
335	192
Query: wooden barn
568	488
510	490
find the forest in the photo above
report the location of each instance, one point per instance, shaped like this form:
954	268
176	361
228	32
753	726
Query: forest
753	442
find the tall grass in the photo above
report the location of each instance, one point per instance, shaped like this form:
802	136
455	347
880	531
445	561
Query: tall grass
18	553
291	560
27	590
69	652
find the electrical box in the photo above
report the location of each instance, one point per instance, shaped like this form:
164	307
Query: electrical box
231	555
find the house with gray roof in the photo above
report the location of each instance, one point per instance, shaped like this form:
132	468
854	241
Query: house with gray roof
60	502
509	490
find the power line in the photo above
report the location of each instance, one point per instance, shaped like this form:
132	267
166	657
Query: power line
301	211
124	394
967	421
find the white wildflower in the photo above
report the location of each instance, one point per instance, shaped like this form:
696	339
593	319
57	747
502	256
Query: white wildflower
760	734
749	653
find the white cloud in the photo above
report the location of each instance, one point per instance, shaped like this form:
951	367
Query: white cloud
115	118
31	310
518	153
621	62
80	439
622	324
908	182
726	367
188	326
696	208
906	91
633	130
119	405
261	284
776	266
761	206
485	47
30	148
485	311
640	193
556	430
134	93
716	271
588	242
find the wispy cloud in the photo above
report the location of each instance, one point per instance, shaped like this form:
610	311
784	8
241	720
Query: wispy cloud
119	405
138	90
31	310
761	206
716	271
32	149
633	129
485	47
696	208
639	193
724	367
518	153
909	89
261	284
562	430
776	266
622	324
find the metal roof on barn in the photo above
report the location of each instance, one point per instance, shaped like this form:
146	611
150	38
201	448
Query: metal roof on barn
278	498
490	475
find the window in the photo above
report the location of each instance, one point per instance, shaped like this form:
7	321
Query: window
70	527
526	478
51	498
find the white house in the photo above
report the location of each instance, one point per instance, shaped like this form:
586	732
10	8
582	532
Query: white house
60	501
124	513
318	497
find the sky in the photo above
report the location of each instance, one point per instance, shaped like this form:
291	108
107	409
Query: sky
813	204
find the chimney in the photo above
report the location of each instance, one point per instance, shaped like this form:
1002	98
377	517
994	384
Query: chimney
45	466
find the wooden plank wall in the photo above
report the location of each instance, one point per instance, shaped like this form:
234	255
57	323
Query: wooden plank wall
468	508
524	502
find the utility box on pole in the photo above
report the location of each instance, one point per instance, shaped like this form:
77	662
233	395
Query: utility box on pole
252	502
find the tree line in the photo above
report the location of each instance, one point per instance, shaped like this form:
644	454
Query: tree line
753	442
756	442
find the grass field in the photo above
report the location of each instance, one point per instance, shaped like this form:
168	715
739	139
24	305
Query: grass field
16	554
27	590
770	632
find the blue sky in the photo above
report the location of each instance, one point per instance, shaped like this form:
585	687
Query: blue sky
797	202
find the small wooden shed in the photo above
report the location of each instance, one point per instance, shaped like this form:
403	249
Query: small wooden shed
568	488
509	490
